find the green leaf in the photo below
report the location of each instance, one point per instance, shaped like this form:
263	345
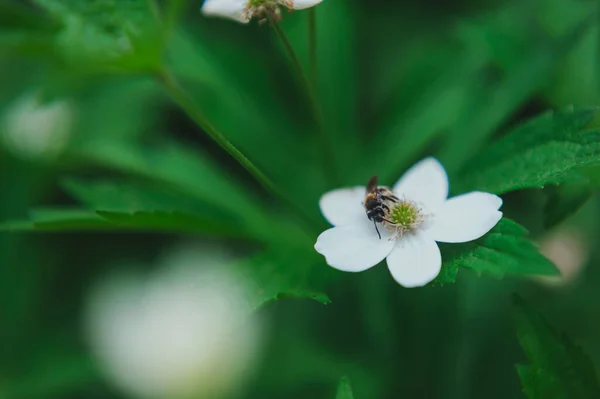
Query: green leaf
436	110
567	198
117	33
564	200
559	369
146	206
133	205
344	390
543	128
54	219
169	221
130	104
281	273
447	273
176	165
337	78
53	375
504	250
539	383
465	103
180	167
16	15
24	32
194	175
549	149
493	105
577	82
235	88
128	196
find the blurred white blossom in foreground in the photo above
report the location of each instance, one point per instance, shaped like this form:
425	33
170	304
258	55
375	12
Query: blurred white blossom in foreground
568	249
181	332
245	10
33	129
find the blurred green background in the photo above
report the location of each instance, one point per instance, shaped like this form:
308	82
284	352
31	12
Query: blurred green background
129	175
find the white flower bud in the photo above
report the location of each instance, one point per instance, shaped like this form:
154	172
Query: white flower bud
32	129
569	251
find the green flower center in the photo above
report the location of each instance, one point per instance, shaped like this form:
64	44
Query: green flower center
406	216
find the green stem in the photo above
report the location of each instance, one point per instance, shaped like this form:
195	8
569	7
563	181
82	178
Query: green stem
183	100
154	9
328	146
312	44
295	60
172	14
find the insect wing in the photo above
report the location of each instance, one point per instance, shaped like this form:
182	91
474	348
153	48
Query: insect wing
372	184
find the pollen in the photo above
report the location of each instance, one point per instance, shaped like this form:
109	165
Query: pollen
406	217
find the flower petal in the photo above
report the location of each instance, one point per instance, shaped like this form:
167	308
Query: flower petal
232	9
466	217
354	248
344	206
426	183
415	261
302	4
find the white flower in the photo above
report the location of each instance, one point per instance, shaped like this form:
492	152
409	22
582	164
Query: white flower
33	129
421	216
183	332
244	10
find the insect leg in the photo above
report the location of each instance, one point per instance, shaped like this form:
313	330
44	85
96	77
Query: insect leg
376	229
390	198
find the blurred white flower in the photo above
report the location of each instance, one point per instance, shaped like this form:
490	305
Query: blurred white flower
33	129
568	249
418	216
183	332
245	10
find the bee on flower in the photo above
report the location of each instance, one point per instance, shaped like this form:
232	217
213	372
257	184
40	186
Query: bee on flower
403	224
245	10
